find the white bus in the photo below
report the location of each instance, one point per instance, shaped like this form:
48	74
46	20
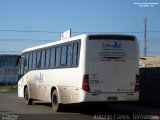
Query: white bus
84	68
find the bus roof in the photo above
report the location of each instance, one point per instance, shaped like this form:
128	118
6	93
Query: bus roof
54	43
92	36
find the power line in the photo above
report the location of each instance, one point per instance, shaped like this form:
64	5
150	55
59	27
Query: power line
58	32
154	41
153	31
151	52
47	40
9	51
42	31
150	39
20	51
28	31
25	40
107	32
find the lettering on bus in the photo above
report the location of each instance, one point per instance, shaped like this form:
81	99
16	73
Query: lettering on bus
39	77
94	79
112	55
115	45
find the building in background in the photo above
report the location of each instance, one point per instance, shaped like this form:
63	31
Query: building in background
9	69
149	61
150	80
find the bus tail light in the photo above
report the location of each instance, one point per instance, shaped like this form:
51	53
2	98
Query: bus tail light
85	83
137	85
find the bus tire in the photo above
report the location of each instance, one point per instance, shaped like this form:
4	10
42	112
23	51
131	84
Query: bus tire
56	106
27	98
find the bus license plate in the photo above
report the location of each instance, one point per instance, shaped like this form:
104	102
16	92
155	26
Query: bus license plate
112	98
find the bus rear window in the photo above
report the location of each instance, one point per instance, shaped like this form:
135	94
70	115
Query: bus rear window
111	49
112	37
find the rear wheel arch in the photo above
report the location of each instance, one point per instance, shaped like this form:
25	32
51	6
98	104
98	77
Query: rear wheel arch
24	89
52	89
55	100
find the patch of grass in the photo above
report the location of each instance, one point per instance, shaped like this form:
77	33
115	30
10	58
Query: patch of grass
9	87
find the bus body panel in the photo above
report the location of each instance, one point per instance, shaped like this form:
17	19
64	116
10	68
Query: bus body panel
112	80
112	65
68	81
108	97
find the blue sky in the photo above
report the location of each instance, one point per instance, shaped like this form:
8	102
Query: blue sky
79	15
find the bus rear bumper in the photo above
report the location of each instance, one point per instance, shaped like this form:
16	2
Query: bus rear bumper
109	97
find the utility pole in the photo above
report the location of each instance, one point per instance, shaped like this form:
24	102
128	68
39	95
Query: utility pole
145	36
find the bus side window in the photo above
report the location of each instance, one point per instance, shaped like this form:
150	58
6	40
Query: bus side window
38	59
75	54
43	56
34	60
52	58
21	72
47	58
63	56
69	55
58	51
27	59
30	60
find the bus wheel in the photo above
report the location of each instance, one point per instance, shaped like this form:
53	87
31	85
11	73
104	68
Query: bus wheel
28	100
55	101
